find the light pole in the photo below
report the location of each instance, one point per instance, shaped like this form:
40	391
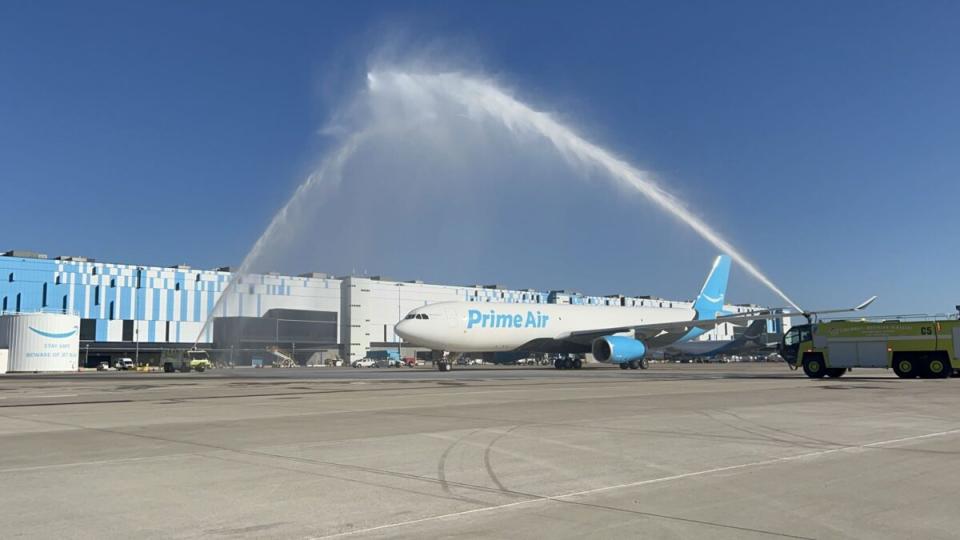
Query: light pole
399	318
136	337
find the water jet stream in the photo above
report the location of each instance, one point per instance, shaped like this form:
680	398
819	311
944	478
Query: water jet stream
418	96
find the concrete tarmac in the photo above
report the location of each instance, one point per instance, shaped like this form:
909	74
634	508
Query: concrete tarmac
690	451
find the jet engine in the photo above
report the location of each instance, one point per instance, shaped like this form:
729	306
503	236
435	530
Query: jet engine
618	349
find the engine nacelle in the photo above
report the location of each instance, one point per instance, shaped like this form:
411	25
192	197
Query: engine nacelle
618	349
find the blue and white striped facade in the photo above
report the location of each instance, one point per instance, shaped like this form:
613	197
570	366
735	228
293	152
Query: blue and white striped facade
166	305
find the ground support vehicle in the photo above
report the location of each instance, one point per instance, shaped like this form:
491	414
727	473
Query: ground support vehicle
192	360
198	360
124	364
926	348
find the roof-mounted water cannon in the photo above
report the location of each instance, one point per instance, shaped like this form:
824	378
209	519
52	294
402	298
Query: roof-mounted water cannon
812	316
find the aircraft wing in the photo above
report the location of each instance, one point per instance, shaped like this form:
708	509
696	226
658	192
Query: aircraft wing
662	334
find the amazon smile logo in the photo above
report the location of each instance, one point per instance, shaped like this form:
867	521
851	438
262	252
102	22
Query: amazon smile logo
54	335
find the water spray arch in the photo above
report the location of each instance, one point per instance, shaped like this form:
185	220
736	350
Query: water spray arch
418	95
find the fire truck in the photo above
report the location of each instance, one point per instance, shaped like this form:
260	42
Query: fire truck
928	348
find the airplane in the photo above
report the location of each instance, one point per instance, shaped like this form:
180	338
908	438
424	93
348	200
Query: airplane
613	334
750	340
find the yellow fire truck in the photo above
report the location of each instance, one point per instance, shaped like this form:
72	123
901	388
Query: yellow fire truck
927	348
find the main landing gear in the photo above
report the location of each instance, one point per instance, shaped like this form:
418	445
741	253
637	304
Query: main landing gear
568	363
635	364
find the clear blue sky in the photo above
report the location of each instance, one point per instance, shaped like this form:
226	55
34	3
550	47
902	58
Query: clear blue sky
822	137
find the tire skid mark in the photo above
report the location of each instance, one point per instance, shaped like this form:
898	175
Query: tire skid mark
442	468
814	440
486	458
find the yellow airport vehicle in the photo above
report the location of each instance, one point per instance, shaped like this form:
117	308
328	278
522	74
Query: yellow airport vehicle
927	348
192	360
198	360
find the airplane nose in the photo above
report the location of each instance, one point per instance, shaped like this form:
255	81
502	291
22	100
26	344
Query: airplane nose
402	329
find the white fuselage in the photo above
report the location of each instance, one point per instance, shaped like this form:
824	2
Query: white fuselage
474	327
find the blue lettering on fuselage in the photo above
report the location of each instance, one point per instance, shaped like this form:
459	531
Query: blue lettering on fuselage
492	319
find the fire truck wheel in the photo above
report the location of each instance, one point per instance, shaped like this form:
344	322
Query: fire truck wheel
939	368
905	367
813	366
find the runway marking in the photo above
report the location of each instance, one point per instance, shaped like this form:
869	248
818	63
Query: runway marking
663	479
52	396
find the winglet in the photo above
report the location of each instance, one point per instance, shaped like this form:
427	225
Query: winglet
866	303
710	299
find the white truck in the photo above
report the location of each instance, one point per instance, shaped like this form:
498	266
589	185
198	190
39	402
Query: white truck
124	364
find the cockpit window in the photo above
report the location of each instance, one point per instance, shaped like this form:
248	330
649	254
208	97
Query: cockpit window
419	316
410	316
425	316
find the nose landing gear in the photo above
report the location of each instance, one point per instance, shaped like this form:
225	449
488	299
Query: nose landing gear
444	363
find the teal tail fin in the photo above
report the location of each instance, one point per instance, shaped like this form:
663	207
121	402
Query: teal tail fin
710	299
